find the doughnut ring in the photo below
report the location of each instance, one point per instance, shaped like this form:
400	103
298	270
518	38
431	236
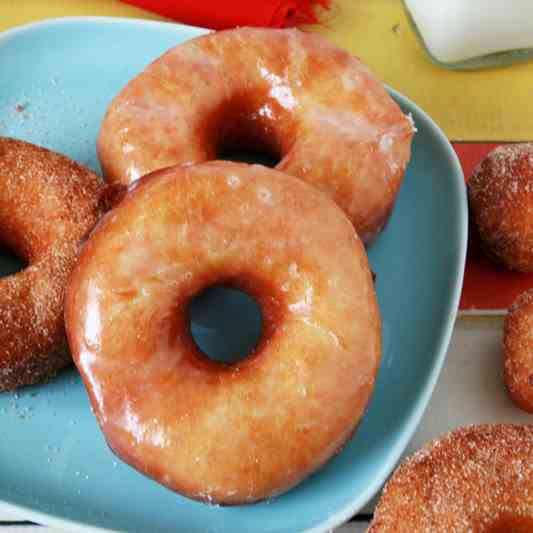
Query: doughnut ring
290	94
476	479
225	433
47	205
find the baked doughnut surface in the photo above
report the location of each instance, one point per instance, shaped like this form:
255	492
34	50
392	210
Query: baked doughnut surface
291	94
477	479
225	433
501	202
47	204
518	351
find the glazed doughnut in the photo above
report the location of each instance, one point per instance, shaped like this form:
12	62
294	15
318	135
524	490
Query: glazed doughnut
225	433
501	202
47	204
518	351
290	94
477	479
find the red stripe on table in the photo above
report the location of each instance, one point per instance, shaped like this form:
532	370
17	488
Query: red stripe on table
487	286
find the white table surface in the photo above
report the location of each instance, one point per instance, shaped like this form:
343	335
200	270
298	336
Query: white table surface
470	391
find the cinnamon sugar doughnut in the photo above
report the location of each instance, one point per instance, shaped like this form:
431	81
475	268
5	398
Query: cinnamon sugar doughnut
477	479
518	351
225	433
291	94
47	204
501	203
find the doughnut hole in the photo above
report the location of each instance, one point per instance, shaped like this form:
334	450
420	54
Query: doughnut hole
518	351
225	323
249	156
500	194
248	130
230	318
10	262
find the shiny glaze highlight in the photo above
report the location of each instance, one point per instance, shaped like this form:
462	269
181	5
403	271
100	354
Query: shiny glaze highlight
291	94
225	433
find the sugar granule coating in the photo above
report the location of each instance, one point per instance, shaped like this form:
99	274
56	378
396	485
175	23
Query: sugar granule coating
477	479
47	204
501	203
518	351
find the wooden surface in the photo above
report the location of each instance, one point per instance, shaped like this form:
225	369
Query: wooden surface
470	391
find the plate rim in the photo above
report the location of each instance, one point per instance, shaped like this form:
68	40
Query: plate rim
446	329
134	21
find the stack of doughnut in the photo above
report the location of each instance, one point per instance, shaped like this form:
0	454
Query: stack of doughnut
298	398
185	222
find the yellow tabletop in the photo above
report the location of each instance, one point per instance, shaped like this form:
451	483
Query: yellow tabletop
494	104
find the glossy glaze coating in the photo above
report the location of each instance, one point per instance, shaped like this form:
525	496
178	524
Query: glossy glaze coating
291	94
477	479
47	205
518	351
225	433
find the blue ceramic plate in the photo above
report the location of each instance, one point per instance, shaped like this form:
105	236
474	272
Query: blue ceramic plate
57	79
